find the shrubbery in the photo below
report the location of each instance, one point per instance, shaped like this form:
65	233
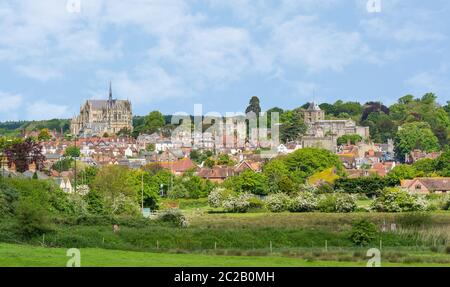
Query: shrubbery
337	202
174	216
32	218
239	203
399	200
303	202
278	202
363	232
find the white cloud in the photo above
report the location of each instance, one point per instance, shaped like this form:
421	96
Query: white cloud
39	73
9	102
303	40
42	110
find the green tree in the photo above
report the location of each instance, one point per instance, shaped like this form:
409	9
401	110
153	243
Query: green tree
114	185
72	151
153	122
416	135
278	177
401	172
292	125
442	163
305	162
353	139
248	181
44	135
254	106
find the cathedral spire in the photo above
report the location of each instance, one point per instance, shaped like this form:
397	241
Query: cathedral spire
110	91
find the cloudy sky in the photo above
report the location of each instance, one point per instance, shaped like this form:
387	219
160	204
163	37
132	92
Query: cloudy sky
171	54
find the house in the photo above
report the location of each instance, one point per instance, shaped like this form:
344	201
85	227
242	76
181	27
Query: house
426	185
248	164
64	184
216	174
416	155
179	167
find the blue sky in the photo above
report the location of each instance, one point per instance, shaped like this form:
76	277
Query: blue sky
168	55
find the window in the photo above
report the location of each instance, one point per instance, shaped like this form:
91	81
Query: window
418	186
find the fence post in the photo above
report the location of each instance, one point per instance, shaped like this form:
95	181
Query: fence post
157	244
215	245
326	245
271	246
381	244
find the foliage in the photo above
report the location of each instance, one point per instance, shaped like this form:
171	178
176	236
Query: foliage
218	195
292	125
442	163
248	182
95	202
352	139
118	189
44	135
32	218
370	186
72	151
278	202
417	135
64	164
305	162
174	216
398	200
363	232
22	154
401	172
239	203
303	202
337	202
8	198
254	106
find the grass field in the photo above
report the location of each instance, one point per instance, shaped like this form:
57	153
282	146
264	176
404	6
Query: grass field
12	255
225	239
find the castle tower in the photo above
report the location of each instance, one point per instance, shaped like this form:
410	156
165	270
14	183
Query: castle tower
313	114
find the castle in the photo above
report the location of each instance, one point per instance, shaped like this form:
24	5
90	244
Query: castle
324	133
100	117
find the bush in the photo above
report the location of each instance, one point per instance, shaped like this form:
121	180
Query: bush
238	203
278	202
337	202
255	203
32	218
446	203
303	202
399	200
363	232
174	216
218	195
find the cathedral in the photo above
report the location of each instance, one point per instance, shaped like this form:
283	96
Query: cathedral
100	117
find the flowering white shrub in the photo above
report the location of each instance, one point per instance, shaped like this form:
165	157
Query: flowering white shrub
303	202
238	203
218	195
345	202
337	202
278	202
399	200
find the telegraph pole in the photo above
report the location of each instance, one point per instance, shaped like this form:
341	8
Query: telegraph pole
142	192
75	172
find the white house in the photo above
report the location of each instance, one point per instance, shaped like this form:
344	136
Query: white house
64	184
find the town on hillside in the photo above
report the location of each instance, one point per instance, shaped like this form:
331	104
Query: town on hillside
370	140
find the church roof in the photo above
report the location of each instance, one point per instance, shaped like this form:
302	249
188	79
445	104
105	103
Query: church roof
314	107
103	104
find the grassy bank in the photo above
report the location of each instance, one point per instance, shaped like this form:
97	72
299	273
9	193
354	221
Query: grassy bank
21	255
